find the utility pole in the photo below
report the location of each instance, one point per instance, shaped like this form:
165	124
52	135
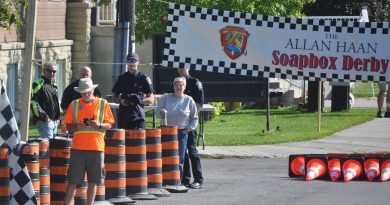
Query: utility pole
124	41
132	27
28	67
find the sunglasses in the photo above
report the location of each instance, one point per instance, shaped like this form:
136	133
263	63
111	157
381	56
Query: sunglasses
132	61
51	71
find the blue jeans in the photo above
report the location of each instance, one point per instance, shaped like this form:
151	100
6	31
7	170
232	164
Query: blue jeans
182	139
47	130
192	155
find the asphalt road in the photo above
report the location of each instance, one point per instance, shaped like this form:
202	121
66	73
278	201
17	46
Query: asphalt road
265	181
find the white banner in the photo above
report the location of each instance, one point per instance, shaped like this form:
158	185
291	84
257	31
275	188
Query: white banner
290	48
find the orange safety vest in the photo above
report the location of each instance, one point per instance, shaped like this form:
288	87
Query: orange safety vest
89	134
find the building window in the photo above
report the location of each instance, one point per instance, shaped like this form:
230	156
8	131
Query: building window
11	83
59	77
37	72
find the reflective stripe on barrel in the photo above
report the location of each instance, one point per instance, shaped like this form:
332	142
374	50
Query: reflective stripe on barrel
30	155
170	156
153	156
136	167
115	163
59	153
4	176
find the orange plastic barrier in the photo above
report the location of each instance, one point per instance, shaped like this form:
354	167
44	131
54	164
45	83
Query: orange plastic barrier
296	165
44	173
352	169
385	170
30	155
80	197
100	192
170	156
59	153
153	157
136	165
115	163
4	176
334	169
315	168
371	168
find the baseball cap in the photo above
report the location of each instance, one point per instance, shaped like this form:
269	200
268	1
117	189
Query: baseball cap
132	58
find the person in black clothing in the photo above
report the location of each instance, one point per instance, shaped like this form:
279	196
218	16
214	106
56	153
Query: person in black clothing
45	105
195	90
132	90
70	94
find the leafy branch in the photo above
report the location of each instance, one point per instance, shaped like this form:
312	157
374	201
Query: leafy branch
10	12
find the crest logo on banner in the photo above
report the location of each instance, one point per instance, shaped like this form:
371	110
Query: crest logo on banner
233	41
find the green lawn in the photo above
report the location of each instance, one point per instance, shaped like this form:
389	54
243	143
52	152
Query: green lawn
245	126
365	89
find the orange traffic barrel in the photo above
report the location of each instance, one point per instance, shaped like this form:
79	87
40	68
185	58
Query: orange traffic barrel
170	156
4	177
30	155
153	157
136	165
44	179
44	173
100	192
80	197
59	153
115	166
154	161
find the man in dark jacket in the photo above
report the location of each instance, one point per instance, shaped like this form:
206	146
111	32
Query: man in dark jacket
195	90
45	105
133	90
70	94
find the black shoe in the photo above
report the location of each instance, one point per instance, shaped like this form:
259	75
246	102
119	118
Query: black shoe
196	185
387	114
379	114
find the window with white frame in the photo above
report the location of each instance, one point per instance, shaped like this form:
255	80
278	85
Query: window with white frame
37	72
12	83
59	77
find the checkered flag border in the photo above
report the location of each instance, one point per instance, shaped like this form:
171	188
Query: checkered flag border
170	59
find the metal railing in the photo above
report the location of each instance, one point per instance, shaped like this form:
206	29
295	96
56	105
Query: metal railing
106	14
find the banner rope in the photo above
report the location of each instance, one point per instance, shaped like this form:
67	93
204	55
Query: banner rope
40	62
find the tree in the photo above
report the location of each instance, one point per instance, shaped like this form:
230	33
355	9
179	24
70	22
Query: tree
151	15
378	10
10	12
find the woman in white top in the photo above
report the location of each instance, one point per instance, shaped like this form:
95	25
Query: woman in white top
179	110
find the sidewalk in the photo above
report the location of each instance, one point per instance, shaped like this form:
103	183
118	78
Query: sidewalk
372	136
